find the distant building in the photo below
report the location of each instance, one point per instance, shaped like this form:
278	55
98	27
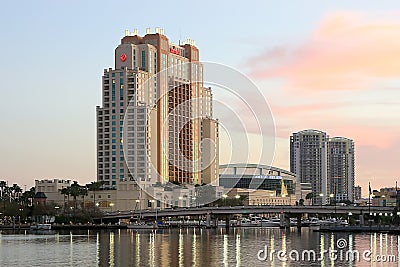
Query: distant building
39	198
341	168
263	184
262	197
326	163
385	197
305	189
52	187
308	159
357	192
128	195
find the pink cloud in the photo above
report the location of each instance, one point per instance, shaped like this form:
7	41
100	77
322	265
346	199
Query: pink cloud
347	51
326	117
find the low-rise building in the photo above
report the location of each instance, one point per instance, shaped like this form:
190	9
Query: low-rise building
127	195
262	184
262	197
52	188
385	197
357	192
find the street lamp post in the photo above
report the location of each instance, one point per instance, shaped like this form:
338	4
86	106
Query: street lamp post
237	197
224	196
321	195
101	217
112	205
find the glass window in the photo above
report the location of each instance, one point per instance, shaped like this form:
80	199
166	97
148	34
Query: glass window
143	59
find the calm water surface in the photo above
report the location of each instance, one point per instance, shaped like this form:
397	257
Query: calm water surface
194	247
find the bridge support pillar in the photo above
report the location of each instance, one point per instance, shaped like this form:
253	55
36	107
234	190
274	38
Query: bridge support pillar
361	218
208	220
299	222
227	222
284	221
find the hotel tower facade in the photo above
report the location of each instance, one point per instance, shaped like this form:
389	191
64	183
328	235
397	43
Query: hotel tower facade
155	124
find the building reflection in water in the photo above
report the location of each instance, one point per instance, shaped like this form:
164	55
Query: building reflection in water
194	248
236	247
283	238
321	249
331	248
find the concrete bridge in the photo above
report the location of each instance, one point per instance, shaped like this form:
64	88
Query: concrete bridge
226	212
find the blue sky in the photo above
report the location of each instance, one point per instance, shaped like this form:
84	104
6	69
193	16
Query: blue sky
53	54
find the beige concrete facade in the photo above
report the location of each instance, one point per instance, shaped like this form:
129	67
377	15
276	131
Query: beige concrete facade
52	187
127	196
262	197
149	126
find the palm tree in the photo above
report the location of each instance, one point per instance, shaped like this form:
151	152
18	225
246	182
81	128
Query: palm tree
83	193
95	186
66	192
3	184
75	191
310	196
15	191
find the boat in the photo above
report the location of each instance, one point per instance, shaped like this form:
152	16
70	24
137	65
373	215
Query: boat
40	226
255	221
221	223
273	222
293	221
244	222
142	226
315	222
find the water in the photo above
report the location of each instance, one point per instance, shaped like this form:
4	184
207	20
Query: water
193	247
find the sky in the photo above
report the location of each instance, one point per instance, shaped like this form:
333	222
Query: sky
327	65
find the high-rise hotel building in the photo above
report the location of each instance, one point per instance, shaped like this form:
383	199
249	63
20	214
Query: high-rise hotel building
326	163
155	124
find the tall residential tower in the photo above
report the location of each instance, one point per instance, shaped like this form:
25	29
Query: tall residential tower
308	159
326	163
341	168
156	115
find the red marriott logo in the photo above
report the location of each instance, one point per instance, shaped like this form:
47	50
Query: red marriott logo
123	57
173	50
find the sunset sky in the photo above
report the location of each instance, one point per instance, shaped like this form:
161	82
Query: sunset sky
332	66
